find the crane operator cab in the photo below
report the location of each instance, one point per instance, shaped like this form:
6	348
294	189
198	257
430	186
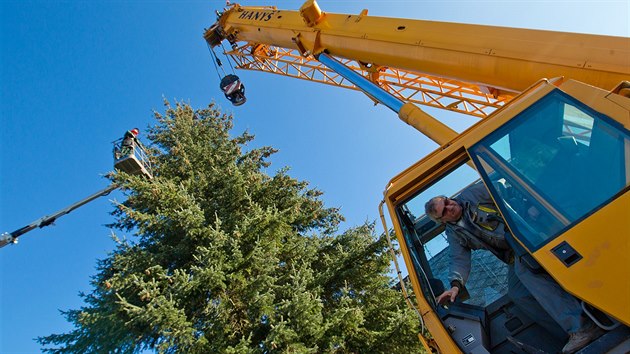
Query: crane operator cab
559	173
233	89
130	156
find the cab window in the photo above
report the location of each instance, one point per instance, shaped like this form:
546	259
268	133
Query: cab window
552	165
427	243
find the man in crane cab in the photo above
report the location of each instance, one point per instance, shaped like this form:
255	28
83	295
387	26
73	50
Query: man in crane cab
233	89
130	139
473	222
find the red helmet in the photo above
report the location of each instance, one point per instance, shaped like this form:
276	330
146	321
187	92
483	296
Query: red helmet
135	131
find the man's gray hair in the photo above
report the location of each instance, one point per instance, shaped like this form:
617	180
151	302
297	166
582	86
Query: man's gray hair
429	207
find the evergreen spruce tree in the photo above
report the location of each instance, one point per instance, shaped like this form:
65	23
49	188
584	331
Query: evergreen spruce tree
227	259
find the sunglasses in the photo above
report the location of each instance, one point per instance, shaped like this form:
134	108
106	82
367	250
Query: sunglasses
447	201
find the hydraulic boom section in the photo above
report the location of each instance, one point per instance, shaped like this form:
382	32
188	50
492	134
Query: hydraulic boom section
471	69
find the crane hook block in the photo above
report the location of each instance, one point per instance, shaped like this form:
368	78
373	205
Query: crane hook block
233	89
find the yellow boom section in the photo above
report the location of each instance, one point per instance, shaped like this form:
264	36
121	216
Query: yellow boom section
471	69
406	85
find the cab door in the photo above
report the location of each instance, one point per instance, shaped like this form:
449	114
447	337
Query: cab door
564	173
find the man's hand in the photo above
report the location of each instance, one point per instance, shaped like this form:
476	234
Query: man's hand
448	295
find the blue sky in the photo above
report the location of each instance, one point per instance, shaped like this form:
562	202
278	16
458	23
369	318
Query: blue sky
76	74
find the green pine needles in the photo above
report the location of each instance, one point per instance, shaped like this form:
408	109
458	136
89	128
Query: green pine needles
228	259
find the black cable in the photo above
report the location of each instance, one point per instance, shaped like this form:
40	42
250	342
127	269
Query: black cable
215	61
228	57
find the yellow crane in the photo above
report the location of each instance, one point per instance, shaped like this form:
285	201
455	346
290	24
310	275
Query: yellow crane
552	148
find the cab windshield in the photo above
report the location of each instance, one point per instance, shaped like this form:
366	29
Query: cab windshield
553	165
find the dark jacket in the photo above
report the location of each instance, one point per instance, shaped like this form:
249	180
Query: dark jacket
480	230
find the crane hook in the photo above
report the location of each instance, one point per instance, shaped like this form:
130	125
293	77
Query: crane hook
233	89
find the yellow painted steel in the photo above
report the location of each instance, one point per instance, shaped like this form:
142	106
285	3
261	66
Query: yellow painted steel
406	85
311	13
494	58
426	124
602	277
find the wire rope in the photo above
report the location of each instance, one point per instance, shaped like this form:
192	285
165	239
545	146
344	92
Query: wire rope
216	61
228	58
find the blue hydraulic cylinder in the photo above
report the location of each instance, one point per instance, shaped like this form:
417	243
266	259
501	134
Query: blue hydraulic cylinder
371	89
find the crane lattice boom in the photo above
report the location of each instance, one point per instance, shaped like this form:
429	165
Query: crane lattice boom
408	86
